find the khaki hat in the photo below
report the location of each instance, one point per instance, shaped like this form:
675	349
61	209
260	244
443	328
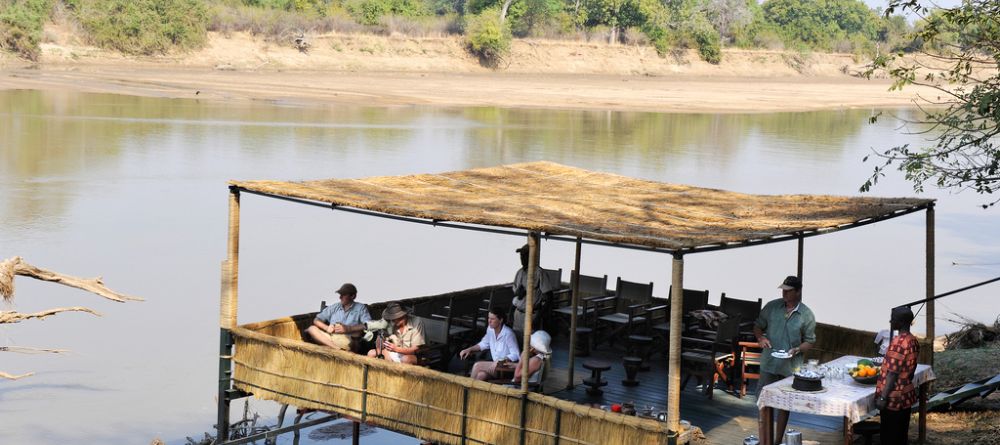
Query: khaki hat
393	312
347	289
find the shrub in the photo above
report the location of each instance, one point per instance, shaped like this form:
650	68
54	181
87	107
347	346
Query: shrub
21	24
488	38
370	12
144	26
709	44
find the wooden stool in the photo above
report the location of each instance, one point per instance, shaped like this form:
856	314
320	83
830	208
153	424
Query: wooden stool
867	429
632	365
583	341
639	346
595	382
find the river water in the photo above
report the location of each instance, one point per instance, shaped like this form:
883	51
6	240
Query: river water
134	189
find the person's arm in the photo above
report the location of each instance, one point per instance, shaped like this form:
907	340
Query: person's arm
465	352
513	350
759	333
533	365
882	399
808	335
323	326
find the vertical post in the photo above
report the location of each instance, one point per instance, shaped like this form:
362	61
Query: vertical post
674	352
355	432
227	315
930	276
802	248
533	255
574	303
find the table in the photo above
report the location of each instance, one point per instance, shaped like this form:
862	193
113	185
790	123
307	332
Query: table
843	397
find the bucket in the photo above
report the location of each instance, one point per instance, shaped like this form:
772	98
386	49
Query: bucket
793	437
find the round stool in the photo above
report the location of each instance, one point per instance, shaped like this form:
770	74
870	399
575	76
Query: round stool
639	346
595	382
632	365
867	429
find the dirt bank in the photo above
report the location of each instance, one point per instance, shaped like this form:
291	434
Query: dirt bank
393	70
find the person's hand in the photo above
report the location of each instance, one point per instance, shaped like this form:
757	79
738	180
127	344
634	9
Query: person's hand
794	351
765	343
339	329
463	353
389	346
329	329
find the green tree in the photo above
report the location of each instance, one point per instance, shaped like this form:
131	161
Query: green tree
820	23
21	25
965	118
144	26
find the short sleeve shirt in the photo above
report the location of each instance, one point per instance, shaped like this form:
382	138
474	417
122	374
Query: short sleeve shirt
335	313
785	330
412	334
542	286
900	358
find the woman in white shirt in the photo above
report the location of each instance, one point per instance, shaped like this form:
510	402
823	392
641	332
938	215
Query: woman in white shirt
501	343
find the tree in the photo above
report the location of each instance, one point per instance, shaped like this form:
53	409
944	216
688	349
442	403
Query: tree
12	267
728	15
965	116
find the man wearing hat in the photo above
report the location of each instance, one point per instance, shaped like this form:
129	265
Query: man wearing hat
542	287
787	328
340	324
406	336
894	390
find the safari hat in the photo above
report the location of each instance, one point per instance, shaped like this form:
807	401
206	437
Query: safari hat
393	312
540	340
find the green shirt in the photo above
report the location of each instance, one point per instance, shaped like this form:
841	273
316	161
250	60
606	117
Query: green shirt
785	331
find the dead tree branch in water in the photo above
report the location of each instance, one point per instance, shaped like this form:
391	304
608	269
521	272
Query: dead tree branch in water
14	266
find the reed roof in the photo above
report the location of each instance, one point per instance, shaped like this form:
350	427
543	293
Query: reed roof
562	200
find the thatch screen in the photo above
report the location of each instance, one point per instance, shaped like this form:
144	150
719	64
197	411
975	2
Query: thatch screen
561	200
271	361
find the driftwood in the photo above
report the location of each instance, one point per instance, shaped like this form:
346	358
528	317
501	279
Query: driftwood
16	266
12	267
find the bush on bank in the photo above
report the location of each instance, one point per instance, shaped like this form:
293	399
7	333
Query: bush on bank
488	37
21	23
143	27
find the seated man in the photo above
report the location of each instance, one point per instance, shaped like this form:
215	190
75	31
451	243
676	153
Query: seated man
340	324
406	336
539	351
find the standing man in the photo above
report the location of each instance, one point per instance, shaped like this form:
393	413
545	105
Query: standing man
895	392
341	324
542	286
785	325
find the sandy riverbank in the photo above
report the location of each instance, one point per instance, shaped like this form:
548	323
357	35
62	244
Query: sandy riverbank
392	71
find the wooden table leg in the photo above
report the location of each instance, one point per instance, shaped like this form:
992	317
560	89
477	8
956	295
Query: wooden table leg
848	431
922	413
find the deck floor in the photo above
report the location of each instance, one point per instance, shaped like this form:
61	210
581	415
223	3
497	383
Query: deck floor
725	419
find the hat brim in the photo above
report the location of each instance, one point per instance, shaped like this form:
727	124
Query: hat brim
395	316
786	287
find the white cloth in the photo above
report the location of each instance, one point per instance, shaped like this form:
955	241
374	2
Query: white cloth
882	340
843	397
502	346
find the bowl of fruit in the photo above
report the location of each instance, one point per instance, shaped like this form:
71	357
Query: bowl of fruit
865	372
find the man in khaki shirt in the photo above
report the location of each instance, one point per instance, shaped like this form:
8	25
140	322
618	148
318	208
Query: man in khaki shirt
406	336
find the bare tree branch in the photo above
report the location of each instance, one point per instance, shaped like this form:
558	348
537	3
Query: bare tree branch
30	350
7	317
16	266
14	377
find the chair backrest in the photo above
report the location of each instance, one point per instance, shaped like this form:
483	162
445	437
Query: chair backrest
727	335
502	296
424	310
748	310
554	276
539	376
464	307
593	286
630	292
694	300
435	330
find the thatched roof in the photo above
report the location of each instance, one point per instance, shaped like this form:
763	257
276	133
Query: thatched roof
562	200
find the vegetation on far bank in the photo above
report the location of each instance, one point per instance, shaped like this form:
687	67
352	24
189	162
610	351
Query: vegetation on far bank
146	27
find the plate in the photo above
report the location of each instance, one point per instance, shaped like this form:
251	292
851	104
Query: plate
781	354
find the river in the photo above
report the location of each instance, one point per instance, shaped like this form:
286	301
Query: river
134	189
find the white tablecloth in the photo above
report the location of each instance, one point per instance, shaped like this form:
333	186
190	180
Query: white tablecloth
843	397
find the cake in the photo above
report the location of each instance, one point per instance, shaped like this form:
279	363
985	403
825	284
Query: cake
802	383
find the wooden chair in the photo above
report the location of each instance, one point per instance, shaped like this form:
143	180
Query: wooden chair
624	311
590	287
501	297
706	359
436	351
749	363
453	314
544	310
748	310
659	316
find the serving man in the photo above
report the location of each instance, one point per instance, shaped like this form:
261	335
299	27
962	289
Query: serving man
542	286
784	324
895	392
340	324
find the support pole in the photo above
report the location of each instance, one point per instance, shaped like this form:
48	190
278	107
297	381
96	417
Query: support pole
930	276
574	303
355	432
674	352
529	308
802	249
227	316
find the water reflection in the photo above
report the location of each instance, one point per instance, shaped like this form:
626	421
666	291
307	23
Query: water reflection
134	188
